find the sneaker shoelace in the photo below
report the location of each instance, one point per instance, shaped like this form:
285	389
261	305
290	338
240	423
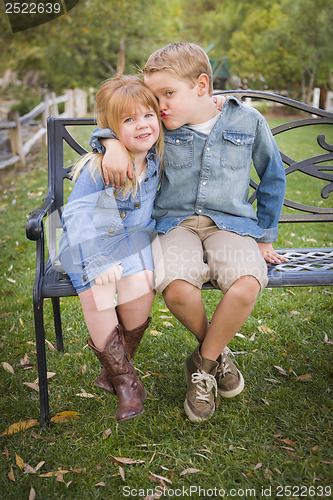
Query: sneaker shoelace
225	368
205	383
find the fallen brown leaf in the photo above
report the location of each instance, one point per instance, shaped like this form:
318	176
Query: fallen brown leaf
304	378
189	471
19	462
7	367
11	475
19	426
32	494
65	416
127	461
281	370
121	472
32	385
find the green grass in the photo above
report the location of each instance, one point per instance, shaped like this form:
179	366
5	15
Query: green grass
277	433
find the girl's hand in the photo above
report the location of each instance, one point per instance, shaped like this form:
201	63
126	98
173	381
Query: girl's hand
270	255
110	275
219	100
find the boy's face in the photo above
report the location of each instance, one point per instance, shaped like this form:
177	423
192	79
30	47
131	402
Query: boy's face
178	99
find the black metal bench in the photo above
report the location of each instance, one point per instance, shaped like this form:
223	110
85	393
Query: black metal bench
306	266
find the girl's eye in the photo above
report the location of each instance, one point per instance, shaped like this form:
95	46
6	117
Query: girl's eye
149	115
127	120
169	93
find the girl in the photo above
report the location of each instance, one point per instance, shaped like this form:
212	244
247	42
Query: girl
105	244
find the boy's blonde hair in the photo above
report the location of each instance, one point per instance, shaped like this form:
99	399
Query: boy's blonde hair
185	61
115	98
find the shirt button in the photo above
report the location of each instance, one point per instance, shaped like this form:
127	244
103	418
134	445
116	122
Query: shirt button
204	183
199	210
238	140
84	278
110	230
136	205
93	144
122	215
177	141
208	149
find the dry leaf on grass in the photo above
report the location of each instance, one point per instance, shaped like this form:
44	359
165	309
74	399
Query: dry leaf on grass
106	433
65	416
11	475
19	426
258	466
191	470
32	494
160	478
7	367
304	378
124	460
32	385
121	472
281	370
84	394
265	329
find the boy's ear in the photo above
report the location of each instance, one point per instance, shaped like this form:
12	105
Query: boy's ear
202	84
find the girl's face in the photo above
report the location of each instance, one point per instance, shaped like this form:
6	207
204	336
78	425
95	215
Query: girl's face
139	130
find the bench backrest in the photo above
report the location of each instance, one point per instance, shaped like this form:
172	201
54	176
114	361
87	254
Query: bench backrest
317	167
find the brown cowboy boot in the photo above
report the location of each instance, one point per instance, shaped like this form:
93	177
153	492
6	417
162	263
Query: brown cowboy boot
131	340
121	373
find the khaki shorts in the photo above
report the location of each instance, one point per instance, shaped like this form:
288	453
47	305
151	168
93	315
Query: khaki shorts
198	251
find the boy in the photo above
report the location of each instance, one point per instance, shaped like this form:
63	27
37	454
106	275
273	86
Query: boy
206	227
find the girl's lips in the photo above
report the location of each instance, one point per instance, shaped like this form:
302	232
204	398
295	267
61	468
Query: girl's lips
143	136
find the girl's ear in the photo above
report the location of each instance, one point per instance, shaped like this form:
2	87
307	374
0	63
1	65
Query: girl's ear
202	84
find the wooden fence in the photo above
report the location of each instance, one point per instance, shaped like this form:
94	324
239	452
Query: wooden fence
75	102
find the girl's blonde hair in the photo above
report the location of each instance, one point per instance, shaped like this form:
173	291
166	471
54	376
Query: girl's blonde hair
184	61
115	98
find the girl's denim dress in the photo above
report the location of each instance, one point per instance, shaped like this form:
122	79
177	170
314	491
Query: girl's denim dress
102	228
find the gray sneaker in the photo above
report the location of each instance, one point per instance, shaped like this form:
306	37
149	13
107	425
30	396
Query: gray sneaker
229	379
200	374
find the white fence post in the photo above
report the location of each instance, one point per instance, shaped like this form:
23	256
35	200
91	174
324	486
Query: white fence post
16	137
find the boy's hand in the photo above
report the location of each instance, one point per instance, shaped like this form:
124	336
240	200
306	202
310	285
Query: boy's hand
110	275
219	100
270	255
116	165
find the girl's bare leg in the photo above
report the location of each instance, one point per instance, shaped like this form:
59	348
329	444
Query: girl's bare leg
99	312
135	298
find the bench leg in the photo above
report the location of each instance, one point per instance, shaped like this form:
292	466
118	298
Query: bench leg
57	323
41	361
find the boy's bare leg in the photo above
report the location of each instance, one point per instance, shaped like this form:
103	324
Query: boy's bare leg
231	313
185	303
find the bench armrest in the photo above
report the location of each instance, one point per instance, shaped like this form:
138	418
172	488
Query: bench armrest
34	225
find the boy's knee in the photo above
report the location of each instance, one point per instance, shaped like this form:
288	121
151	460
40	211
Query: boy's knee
178	291
245	289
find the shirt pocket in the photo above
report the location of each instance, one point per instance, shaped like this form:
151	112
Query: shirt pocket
236	150
178	151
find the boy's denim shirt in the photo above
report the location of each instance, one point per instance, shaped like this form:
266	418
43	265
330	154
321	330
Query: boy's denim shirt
210	175
101	228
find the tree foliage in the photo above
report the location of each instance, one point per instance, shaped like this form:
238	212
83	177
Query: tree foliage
91	42
275	44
